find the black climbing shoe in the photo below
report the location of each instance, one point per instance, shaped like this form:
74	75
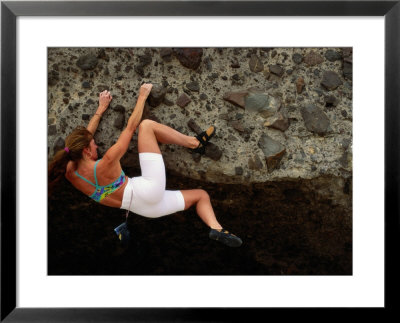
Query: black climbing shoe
225	237
203	139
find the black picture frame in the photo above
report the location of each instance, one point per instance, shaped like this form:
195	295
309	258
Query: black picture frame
10	10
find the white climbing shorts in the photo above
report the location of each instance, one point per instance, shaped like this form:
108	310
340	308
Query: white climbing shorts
146	194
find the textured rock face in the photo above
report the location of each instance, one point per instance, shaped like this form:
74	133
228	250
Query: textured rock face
283	119
265	94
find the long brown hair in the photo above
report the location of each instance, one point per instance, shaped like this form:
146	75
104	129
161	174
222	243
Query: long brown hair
75	143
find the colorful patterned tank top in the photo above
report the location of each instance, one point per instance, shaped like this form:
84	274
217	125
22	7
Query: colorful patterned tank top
103	191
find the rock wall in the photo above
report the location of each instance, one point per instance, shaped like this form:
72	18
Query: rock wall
283	119
280	113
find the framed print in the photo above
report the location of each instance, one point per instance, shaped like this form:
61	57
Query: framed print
296	93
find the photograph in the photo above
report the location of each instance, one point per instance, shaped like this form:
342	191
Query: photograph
199	161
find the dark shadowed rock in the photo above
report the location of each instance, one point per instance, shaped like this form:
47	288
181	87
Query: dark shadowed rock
347	51
213	151
315	119
59	144
183	100
239	171
103	87
119	121
157	95
330	80
52	130
168	102
273	151
348	70
332	55
194	126
189	57
53	78
119	108
86	85
208	64
255	163
277	70
87	62
331	101
193	86
145	59
139	69
166	54
297	58
235	63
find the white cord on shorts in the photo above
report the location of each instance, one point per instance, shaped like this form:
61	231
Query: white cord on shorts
130	203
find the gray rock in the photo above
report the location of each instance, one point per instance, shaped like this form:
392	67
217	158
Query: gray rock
330	80
203	96
255	64
87	62
332	55
119	121
139	69
238	171
196	157
345	160
53	78
157	95
347	51
238	79
86	85
235	63
315	119
193	86
331	101
102	87
145	59
297	58
194	126
90	102
277	70
119	108
261	103
52	130
208	64
273	151
59	144
213	151
168	102
166	54
348	70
